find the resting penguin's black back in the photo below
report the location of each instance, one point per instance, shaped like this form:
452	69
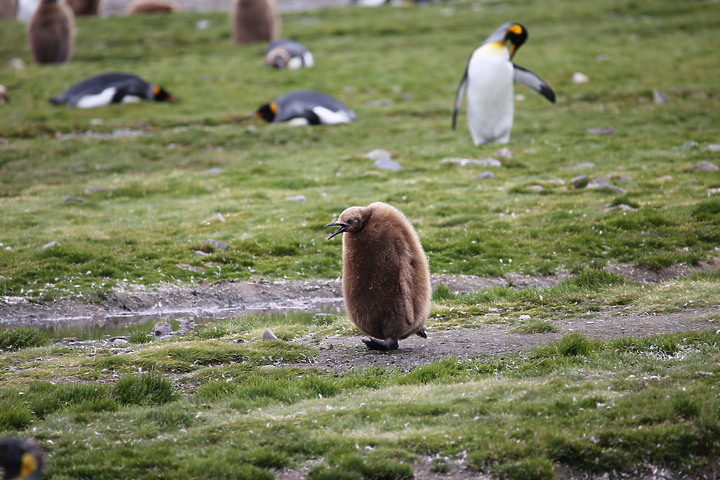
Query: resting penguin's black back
133	84
300	103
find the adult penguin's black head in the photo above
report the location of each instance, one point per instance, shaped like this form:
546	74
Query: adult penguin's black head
512	32
267	112
22	459
161	95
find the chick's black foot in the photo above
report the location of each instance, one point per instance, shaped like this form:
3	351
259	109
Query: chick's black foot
421	333
384	345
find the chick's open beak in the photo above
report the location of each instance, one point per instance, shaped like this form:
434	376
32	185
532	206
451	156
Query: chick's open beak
343	228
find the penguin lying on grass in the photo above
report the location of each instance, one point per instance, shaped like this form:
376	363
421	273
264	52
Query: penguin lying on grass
288	54
21	459
107	88
386	278
488	81
303	107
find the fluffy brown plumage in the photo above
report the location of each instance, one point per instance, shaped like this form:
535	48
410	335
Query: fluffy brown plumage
51	32
254	21
151	6
21	459
8	8
386	279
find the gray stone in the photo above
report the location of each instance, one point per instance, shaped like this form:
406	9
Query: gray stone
50	244
161	329
222	246
269	335
659	97
463	162
296	198
579	166
71	199
713	147
387	164
580	181
598	182
690	144
485	175
707	166
378	154
601	131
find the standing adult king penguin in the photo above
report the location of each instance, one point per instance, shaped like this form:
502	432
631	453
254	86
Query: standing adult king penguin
488	81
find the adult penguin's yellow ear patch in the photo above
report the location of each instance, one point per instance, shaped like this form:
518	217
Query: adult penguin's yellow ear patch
516	29
273	107
156	90
28	465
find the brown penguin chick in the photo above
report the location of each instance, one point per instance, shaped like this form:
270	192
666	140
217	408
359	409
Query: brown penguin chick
386	279
8	8
21	459
51	32
151	6
85	7
4	98
254	21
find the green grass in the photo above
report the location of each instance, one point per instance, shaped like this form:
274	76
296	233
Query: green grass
161	202
206	407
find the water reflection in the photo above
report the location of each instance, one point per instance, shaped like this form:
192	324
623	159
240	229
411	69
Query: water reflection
107	326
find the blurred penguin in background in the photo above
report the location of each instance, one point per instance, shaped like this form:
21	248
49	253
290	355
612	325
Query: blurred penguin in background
288	54
21	459
151	6
51	32
254	21
4	98
8	9
113	87
85	7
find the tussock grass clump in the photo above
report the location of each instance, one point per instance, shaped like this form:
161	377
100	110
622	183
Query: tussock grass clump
145	389
355	467
22	337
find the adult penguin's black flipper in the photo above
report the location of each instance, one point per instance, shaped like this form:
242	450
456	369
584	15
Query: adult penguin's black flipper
459	97
530	79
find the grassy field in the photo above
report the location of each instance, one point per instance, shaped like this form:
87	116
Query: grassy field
158	180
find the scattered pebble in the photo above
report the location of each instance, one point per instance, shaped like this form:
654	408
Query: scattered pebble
213	171
713	147
579	78
557	181
71	199
387	164
504	153
690	144
536	188
580	181
665	178
218	217
524	317
119	341
162	328
91	190
200	253
296	198
579	166
202	24
17	64
485	175
222	246
463	162
192	268
707	166
659	97
269	335
601	131
378	154
51	244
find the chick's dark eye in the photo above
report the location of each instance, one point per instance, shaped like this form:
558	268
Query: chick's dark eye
351	221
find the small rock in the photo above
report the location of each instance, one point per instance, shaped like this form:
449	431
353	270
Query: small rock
713	147
72	199
161	329
296	198
218	217
485	162
69	339
222	246
690	144
665	178
603	57
557	181
91	190
192	268
187	325
601	131
3	278
707	166
524	317
200	253
119	341
202	24
536	188
269	335
388	164
598	182
17	64
580	181
239	340
659	97
579	166
626	208
578	78
50	244
378	154
504	153
485	175
213	171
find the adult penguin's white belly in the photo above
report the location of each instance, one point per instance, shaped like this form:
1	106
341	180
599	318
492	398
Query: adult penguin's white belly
490	96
